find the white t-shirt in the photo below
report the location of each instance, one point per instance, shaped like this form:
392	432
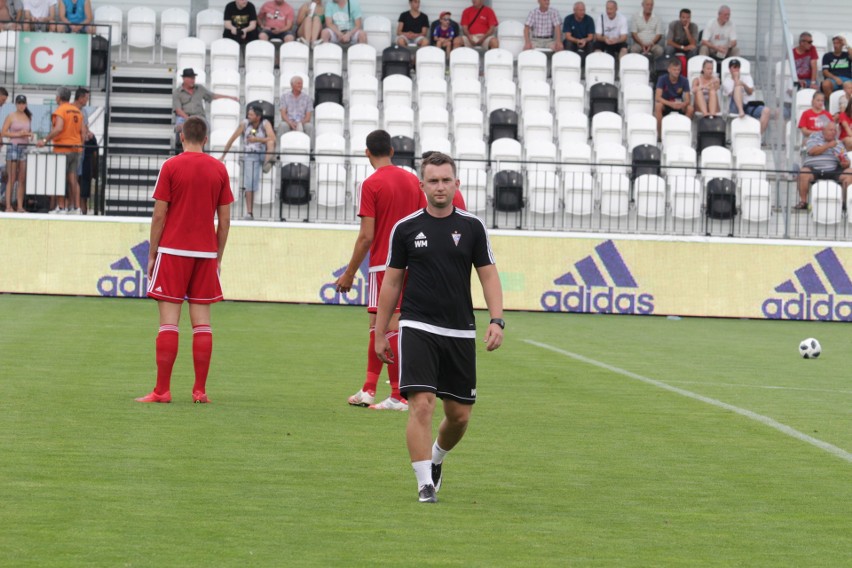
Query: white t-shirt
720	36
39	8
728	88
611	28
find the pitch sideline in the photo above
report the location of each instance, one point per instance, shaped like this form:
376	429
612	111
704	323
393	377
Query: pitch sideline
765	420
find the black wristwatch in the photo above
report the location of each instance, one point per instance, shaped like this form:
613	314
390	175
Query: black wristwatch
499	322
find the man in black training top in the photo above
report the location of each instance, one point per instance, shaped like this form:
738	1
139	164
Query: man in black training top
437	329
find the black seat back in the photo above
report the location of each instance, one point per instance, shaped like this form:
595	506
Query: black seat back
711	132
603	97
403	151
328	88
721	198
295	184
508	191
396	60
646	160
502	123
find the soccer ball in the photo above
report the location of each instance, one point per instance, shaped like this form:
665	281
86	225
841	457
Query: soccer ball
810	348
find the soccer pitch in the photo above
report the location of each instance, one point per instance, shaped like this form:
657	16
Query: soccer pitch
596	441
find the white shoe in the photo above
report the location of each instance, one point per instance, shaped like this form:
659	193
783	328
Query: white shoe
73	212
57	211
362	398
302	40
391	404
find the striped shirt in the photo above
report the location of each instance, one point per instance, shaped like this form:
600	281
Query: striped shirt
827	161
541	24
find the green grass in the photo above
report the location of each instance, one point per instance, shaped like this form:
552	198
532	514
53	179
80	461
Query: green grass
565	463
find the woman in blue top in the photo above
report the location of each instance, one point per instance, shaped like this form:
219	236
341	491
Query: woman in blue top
76	14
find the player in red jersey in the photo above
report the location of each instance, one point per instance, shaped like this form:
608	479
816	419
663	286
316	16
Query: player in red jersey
387	196
186	252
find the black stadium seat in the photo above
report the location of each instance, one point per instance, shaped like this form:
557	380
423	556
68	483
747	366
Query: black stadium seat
603	97
328	88
295	184
721	198
396	60
508	191
503	123
403	151
267	108
711	132
646	160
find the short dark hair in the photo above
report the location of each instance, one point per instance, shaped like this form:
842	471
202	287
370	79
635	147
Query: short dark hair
80	93
4	92
685	11
195	130
436	159
675	62
379	143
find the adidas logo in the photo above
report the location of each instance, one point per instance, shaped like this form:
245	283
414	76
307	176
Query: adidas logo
420	241
357	296
601	275
132	278
807	297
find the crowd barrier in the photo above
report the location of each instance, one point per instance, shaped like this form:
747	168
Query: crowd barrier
557	272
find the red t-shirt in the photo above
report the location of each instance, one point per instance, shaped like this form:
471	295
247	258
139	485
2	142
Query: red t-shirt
483	23
194	185
843	119
813	121
803	62
388	195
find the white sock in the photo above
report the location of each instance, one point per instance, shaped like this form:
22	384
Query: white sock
423	471
438	454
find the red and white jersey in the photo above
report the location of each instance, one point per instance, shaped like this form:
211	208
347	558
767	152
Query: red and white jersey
387	196
194	185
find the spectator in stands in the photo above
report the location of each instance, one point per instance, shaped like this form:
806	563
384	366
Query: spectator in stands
76	16
38	15
4	94
277	21
67	134
479	26
672	94
412	28
81	101
720	36
806	58
836	66
706	90
611	31
844	99
310	20
814	118
18	128
240	21
682	36
542	30
8	18
578	31
445	33
844	125
646	29
188	99
741	90
343	22
296	109
258	149
826	159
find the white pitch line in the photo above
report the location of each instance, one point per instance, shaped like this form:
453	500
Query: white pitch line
765	420
767	387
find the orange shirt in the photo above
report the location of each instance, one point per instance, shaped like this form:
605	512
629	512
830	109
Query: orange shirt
70	139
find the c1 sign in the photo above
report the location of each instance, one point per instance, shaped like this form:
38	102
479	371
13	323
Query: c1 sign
53	59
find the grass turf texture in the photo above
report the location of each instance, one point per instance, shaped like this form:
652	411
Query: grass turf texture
564	464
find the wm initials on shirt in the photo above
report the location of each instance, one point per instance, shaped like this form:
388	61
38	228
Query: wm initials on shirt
421	244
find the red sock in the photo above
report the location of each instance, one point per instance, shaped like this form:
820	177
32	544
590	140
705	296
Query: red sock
167	348
202	349
393	368
374	365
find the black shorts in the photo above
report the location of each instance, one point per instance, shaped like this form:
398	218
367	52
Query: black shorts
434	363
667	110
613	49
833	175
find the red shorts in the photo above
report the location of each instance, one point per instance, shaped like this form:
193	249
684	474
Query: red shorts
375	286
178	278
